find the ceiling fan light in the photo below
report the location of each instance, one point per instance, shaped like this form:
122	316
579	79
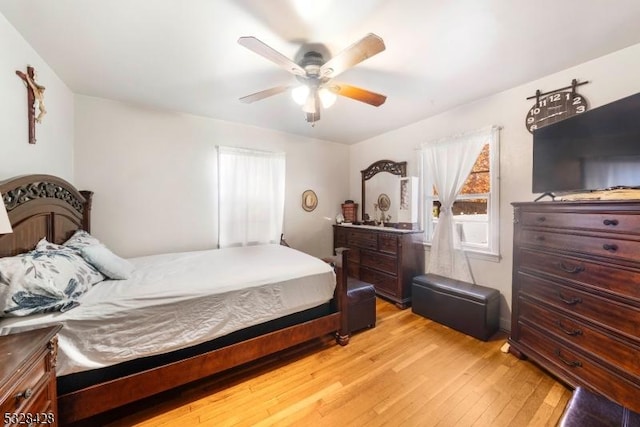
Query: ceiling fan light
310	104
327	97
300	94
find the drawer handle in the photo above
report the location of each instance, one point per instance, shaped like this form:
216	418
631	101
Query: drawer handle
572	363
610	248
541	219
25	394
572	332
573	270
613	222
570	301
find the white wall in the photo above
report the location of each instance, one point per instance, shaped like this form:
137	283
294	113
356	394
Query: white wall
611	77
154	177
53	151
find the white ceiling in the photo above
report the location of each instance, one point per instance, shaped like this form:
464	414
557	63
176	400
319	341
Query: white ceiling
182	55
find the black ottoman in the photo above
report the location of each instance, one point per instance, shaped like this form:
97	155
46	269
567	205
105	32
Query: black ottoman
586	409
468	308
362	305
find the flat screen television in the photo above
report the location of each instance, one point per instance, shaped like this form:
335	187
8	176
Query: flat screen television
596	150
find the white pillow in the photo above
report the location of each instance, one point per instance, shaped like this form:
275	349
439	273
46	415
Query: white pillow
108	263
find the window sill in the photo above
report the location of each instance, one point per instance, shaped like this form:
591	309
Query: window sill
474	254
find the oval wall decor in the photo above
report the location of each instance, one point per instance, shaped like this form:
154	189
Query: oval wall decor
309	200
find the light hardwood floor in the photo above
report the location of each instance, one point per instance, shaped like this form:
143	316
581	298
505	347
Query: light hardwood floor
408	371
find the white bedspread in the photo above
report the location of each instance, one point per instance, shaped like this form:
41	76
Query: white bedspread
178	300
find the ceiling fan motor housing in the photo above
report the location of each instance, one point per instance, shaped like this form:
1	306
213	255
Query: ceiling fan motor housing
311	62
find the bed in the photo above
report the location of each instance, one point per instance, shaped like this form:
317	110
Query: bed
101	374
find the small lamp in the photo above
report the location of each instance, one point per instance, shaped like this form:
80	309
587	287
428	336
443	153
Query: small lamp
5	225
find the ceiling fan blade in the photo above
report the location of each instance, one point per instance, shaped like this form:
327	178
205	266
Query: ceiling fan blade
359	51
264	94
357	93
271	54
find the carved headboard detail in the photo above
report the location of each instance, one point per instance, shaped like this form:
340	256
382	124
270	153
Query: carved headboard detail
42	206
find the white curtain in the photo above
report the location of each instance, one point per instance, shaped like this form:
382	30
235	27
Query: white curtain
250	196
449	162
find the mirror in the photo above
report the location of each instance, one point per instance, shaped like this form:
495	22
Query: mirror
381	192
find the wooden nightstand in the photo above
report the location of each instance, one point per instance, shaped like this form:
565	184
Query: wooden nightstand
28	378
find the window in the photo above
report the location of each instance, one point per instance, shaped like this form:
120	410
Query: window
476	208
250	196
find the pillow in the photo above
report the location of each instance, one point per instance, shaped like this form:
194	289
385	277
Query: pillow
102	258
108	263
80	239
49	278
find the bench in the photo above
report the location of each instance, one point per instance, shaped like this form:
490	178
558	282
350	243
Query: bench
468	308
588	409
361	299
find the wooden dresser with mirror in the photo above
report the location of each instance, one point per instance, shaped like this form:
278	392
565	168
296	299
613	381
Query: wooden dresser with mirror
384	251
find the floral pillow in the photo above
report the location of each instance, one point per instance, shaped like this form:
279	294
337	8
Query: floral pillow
49	278
81	239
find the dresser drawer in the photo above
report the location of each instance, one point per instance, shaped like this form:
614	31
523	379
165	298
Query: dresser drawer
591	245
621	318
612	350
382	282
362	239
617	280
27	386
378	261
388	243
616	222
582	369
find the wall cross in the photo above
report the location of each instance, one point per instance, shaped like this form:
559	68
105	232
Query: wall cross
35	95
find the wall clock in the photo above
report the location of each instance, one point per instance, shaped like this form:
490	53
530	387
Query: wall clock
554	106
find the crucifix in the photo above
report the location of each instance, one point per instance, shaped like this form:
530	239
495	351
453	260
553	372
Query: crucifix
35	94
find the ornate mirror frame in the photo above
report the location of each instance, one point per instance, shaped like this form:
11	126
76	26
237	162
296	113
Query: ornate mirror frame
395	168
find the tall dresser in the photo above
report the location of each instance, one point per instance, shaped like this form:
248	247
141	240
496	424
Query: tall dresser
386	257
576	293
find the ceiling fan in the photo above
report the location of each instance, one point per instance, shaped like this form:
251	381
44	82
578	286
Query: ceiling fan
316	73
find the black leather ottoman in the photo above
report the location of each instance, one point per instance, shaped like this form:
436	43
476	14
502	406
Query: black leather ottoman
586	409
361	297
468	308
362	305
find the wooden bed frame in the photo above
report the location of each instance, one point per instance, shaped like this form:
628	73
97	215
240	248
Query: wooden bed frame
47	206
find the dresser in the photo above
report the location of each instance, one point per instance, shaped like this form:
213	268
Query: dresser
388	258
576	293
28	379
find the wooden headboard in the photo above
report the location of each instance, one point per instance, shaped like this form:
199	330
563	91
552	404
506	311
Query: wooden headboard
42	206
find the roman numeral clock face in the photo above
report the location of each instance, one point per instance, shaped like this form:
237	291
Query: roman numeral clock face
553	108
